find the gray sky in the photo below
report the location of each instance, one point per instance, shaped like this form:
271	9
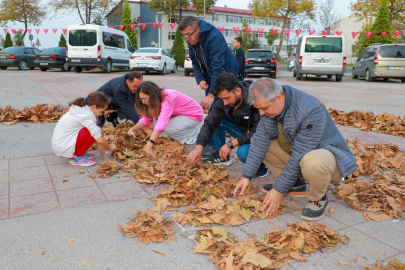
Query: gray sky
51	39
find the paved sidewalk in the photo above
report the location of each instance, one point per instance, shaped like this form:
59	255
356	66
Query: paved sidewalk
40	211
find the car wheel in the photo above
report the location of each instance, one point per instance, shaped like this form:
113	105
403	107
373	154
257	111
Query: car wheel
294	73
298	77
147	72
354	76
32	68
174	69
69	68
273	76
22	65
338	79
43	69
385	79
163	72
65	67
291	69
78	69
403	79
368	77
107	68
330	76
186	73
88	69
3	68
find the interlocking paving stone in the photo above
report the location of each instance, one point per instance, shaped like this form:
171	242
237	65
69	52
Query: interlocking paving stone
27	162
29	173
31	187
80	196
32	204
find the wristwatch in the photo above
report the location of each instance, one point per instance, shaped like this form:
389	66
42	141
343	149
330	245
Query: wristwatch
229	144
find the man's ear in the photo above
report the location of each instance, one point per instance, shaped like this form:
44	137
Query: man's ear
238	91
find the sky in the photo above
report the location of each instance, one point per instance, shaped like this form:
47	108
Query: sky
52	40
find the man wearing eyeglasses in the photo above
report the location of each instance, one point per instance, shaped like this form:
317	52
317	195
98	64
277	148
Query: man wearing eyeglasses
209	54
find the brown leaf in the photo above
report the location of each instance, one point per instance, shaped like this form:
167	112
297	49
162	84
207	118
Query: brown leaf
160	253
86	262
65	180
196	262
72	240
43	253
332	210
68	174
376	216
116	255
297	208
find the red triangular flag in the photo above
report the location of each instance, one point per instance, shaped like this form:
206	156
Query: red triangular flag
274	31
29	31
112	27
160	24
248	30
236	29
121	27
64	30
46	31
287	32
369	34
172	25
54	30
5	30
153	24
131	26
383	33
354	34
396	33
21	31
325	32
339	33
260	31
298	32
311	32
221	28
143	25
13	30
37	30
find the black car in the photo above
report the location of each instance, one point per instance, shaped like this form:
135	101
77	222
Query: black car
21	57
52	57
261	62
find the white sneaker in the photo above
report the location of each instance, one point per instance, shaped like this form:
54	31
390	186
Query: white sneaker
193	138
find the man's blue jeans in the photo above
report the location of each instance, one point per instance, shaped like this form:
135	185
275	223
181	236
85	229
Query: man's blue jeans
219	139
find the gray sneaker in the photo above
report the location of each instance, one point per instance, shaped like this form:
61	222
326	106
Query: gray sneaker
315	210
298	190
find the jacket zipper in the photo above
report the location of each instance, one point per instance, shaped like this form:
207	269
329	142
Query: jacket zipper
206	66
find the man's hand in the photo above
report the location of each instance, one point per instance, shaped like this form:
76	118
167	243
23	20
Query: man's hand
148	149
101	149
195	155
204	85
131	133
224	152
240	187
207	101
272	202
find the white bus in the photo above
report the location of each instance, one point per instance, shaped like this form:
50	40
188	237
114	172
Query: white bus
320	55
92	46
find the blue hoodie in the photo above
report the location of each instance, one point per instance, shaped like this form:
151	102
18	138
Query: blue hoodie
217	54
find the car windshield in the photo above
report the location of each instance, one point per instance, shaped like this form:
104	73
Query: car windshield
82	37
259	54
53	50
320	44
392	51
147	51
11	50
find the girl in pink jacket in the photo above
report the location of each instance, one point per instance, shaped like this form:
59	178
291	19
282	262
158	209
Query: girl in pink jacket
178	115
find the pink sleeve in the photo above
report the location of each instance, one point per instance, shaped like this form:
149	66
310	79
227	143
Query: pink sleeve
145	120
165	115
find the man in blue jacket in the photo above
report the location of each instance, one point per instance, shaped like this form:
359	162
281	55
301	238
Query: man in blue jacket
296	138
209	54
240	57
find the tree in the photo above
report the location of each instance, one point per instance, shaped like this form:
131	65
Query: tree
327	16
284	9
199	6
248	41
381	24
18	39
24	11
178	49
62	41
126	20
270	38
98	19
366	8
8	42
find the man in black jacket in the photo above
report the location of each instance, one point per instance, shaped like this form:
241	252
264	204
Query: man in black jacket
122	91
240	57
231	113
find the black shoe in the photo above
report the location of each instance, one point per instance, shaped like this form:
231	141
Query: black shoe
263	171
315	210
298	190
101	121
215	159
113	118
208	151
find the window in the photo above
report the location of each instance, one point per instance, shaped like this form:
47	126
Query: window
172	35
38	51
261	21
249	20
369	54
28	51
129	46
392	51
53	50
323	45
172	19
231	33
220	18
259	54
113	40
147	51
82	37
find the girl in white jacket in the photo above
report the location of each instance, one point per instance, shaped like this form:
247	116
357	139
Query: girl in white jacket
77	130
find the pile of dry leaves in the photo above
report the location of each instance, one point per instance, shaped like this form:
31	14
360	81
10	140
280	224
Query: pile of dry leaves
394	264
41	113
384	123
270	252
380	190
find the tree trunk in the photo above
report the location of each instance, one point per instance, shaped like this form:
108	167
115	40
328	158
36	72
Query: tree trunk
25	32
78	10
285	18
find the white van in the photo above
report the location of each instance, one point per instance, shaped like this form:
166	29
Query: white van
92	46
320	55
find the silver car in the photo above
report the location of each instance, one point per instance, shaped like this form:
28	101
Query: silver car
386	61
290	64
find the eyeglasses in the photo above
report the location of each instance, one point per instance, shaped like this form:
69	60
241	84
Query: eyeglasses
143	100
189	36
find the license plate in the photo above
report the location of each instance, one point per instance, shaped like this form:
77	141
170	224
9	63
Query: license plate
258	67
142	65
322	61
43	64
76	60
394	68
2	57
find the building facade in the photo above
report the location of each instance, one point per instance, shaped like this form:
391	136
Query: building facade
220	16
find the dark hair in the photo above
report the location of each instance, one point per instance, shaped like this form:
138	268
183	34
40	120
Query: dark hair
94	98
155	99
226	81
187	21
134	75
238	39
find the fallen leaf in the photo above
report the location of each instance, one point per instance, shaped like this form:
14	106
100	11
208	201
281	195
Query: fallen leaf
86	262
68	174
116	255
344	263
160	253
196	262
252	235
54	261
43	253
297	208
72	240
331	210
65	180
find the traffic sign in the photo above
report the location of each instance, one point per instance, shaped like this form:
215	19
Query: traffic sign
30	37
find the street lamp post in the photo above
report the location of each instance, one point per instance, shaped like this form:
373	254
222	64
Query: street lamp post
157	14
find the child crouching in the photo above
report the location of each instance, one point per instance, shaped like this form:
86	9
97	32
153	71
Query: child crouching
77	130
